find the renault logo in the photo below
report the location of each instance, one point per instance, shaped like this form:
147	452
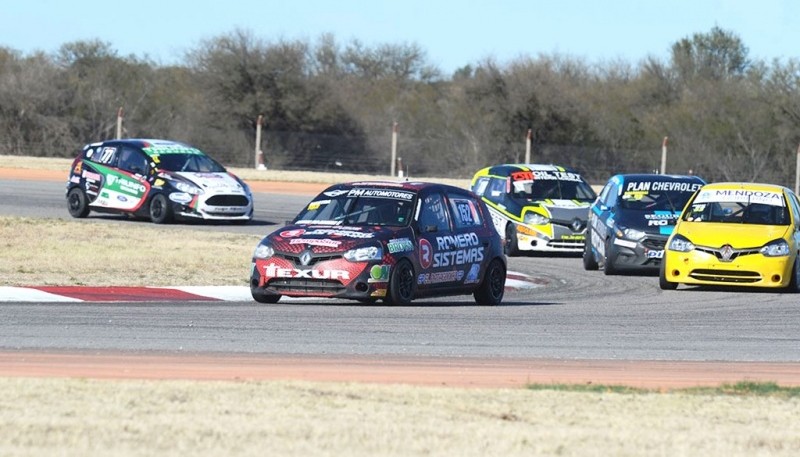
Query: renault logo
576	225
726	252
305	258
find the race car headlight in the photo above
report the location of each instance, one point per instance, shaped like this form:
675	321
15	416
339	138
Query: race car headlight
188	188
364	254
536	219
633	234
776	248
681	244
263	251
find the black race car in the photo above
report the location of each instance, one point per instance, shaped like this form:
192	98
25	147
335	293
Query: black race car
389	241
630	221
157	179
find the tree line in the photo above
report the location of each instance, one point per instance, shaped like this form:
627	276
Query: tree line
331	106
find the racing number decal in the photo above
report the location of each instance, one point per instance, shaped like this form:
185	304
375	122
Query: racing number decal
425	254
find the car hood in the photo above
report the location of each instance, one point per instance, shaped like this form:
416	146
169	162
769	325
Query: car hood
655	222
335	239
214	183
564	210
739	236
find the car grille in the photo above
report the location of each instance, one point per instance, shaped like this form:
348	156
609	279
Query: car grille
654	244
306	286
295	259
566	244
734	254
723	276
227	200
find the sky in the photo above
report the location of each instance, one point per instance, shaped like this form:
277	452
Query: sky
452	33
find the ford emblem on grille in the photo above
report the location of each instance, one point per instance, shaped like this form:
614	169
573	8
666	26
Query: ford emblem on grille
305	258
725	253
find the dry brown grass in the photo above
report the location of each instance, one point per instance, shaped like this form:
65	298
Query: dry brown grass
127	418
94	253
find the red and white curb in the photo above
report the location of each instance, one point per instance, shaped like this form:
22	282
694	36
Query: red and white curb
514	281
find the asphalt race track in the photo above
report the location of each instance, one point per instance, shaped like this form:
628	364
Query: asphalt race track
574	315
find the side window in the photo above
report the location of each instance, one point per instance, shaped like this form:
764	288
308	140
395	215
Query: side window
433	213
106	155
480	187
611	196
464	212
495	189
795	210
132	160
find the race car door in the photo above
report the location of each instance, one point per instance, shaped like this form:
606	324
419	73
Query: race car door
434	229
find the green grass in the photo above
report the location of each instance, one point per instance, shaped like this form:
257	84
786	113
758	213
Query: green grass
741	388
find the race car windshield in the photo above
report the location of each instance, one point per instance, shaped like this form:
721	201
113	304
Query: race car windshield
191	163
554	189
357	210
655	201
737	213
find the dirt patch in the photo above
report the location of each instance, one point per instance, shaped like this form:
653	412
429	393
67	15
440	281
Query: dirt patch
460	372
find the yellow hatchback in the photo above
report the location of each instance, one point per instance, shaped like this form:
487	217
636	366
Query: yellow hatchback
735	234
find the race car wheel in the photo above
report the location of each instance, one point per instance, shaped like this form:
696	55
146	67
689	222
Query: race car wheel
490	292
589	262
264	298
160	210
401	284
77	204
662	279
608	259
511	247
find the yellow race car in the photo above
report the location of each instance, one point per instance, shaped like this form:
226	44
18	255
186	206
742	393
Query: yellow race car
735	234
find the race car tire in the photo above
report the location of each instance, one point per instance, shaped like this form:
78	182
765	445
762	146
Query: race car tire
792	287
77	204
608	259
662	279
490	292
511	247
160	210
401	284
589	262
264	298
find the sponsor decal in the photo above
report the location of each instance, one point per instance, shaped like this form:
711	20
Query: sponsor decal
335	193
425	254
457	250
378	273
741	196
122	198
91	176
573	237
381	193
126	185
472	274
316	242
654	254
180	197
547	175
339	232
657	222
399	245
292	233
661	186
74	179
625	243
275	271
313	206
378	293
438	277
